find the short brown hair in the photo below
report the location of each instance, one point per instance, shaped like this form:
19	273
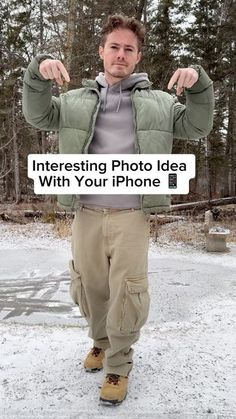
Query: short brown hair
123	22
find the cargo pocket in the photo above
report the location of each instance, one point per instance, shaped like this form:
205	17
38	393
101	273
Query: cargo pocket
77	290
135	306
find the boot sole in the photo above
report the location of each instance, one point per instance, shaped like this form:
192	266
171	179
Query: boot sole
93	369
111	402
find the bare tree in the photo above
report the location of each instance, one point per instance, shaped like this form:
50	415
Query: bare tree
70	37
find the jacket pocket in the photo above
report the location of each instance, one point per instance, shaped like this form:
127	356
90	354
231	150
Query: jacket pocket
77	290
135	306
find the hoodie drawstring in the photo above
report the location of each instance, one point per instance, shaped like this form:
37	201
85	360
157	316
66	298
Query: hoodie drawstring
105	98
120	97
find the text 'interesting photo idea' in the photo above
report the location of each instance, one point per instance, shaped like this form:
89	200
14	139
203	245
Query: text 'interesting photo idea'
111	174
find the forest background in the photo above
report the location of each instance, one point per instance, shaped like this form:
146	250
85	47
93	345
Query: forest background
179	33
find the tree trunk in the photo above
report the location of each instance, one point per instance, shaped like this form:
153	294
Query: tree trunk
41	46
203	204
72	17
140	9
231	136
16	156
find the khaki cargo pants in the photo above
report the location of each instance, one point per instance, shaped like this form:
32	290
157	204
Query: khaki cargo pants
109	279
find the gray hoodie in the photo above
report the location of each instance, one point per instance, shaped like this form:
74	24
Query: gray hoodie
114	134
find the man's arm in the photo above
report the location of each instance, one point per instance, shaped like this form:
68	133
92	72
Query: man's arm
195	119
40	108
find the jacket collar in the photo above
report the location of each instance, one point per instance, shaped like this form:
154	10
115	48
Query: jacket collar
92	84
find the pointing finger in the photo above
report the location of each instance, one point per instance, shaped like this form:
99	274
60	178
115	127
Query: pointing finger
179	91
173	79
56	73
63	71
188	81
49	73
44	74
181	81
59	81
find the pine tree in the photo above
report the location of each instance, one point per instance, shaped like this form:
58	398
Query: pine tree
207	43
161	61
14	20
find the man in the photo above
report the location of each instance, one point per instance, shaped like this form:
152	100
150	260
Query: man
116	113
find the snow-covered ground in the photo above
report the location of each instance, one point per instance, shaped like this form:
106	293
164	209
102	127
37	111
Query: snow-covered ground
184	362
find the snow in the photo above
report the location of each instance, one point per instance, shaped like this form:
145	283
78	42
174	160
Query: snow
184	362
33	235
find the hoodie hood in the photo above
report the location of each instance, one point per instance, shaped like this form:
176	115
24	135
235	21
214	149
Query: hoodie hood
120	88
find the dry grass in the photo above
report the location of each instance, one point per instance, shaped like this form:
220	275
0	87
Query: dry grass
189	232
185	231
63	228
180	231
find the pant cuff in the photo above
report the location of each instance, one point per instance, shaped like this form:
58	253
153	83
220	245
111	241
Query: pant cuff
123	370
103	344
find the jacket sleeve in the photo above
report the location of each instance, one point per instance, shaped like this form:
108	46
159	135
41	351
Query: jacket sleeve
195	119
40	108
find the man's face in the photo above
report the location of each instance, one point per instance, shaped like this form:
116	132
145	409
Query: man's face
120	55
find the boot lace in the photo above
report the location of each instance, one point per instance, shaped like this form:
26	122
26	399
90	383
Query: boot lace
96	351
113	379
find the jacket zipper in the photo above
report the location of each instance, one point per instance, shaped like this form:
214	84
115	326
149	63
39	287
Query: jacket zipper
137	149
89	138
94	117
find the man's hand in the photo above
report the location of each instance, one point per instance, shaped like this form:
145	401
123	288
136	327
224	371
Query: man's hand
53	70
184	77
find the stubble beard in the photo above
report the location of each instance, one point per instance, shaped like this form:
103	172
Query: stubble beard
119	74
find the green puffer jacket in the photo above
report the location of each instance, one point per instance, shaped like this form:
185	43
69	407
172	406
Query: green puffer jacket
157	119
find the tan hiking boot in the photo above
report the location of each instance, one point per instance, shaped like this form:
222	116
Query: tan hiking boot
93	361
114	389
